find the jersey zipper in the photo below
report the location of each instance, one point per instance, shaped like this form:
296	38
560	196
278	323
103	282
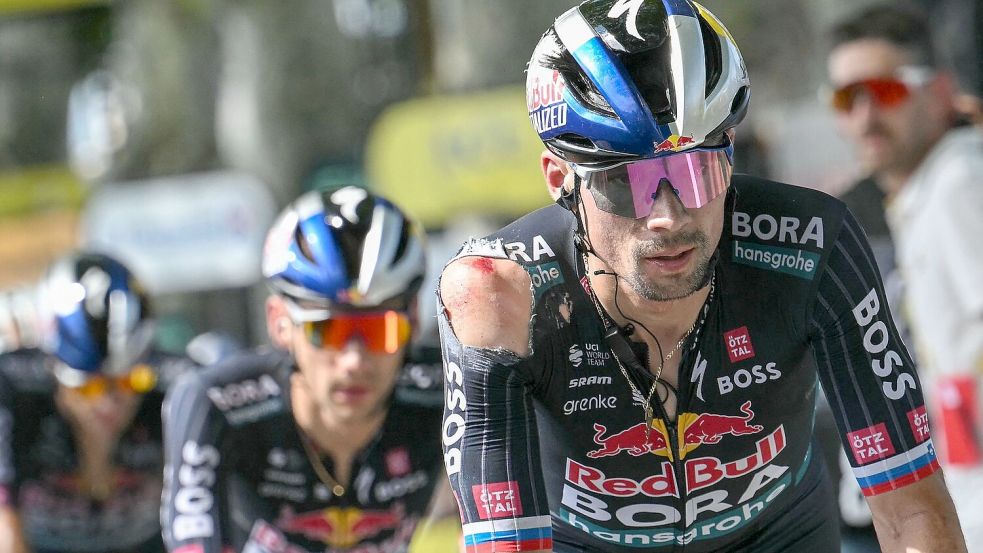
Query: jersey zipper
684	398
678	468
672	429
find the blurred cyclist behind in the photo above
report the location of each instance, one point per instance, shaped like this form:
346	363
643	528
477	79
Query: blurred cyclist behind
315	448
896	101
80	432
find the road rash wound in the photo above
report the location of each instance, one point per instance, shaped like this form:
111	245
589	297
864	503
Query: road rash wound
482	264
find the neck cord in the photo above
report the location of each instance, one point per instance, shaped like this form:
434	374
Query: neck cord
611	326
322	473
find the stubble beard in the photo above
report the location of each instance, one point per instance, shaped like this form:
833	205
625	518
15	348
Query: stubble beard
683	285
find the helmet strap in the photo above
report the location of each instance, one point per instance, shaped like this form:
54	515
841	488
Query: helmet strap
571	201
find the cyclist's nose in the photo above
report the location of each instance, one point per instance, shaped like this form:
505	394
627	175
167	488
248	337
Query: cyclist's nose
668	212
352	357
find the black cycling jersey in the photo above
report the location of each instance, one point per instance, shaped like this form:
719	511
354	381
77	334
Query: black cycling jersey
39	466
238	476
552	450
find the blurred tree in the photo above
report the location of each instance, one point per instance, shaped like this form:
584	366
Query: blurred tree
41	56
153	99
303	79
487	44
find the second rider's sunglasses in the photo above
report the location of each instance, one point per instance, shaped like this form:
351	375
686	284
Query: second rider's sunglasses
884	92
140	380
629	190
380	332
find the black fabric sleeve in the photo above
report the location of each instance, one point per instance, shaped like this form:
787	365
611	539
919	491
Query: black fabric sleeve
191	507
8	472
866	371
491	448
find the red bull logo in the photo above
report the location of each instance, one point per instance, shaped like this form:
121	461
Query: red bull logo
637	440
340	526
709	428
694	430
661	479
674	143
546	89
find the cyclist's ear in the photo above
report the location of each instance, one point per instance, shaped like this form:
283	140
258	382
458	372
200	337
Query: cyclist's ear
278	323
555	171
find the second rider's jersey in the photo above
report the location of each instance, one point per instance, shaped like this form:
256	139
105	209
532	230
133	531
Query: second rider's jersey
40	475
239	477
553	450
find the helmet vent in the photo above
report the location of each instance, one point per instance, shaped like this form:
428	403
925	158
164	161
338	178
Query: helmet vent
712	54
740	100
305	248
577	141
649	70
404	238
583	89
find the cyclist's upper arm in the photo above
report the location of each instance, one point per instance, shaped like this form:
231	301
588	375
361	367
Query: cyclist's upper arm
866	372
488	302
490	439
190	514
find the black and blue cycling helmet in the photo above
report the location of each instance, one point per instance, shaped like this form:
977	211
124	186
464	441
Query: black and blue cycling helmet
95	315
343	250
617	80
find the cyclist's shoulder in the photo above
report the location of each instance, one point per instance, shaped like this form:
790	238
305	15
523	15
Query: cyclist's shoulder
757	193
240	380
169	367
779	236
784	215
25	371
532	238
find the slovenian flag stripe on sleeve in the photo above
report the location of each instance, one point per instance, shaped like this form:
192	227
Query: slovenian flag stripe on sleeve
897	471
519	534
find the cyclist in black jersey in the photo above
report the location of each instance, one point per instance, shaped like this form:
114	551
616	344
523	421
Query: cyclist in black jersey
318	449
662	395
80	431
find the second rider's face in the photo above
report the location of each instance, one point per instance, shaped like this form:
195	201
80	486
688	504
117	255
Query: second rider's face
664	256
351	382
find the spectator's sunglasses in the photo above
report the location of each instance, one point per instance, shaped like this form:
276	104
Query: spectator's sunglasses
885	92
380	331
139	380
629	190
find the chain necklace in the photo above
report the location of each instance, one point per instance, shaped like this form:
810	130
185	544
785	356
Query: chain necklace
647	408
322	473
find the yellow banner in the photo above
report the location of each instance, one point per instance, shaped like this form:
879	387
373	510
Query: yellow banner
31	189
447	156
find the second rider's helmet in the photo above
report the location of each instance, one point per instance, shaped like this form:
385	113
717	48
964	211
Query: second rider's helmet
619	80
343	251
95	320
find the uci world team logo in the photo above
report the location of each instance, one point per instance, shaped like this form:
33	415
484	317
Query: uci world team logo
694	431
576	355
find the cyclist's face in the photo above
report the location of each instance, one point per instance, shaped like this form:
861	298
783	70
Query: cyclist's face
109	412
351	381
890	137
663	256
